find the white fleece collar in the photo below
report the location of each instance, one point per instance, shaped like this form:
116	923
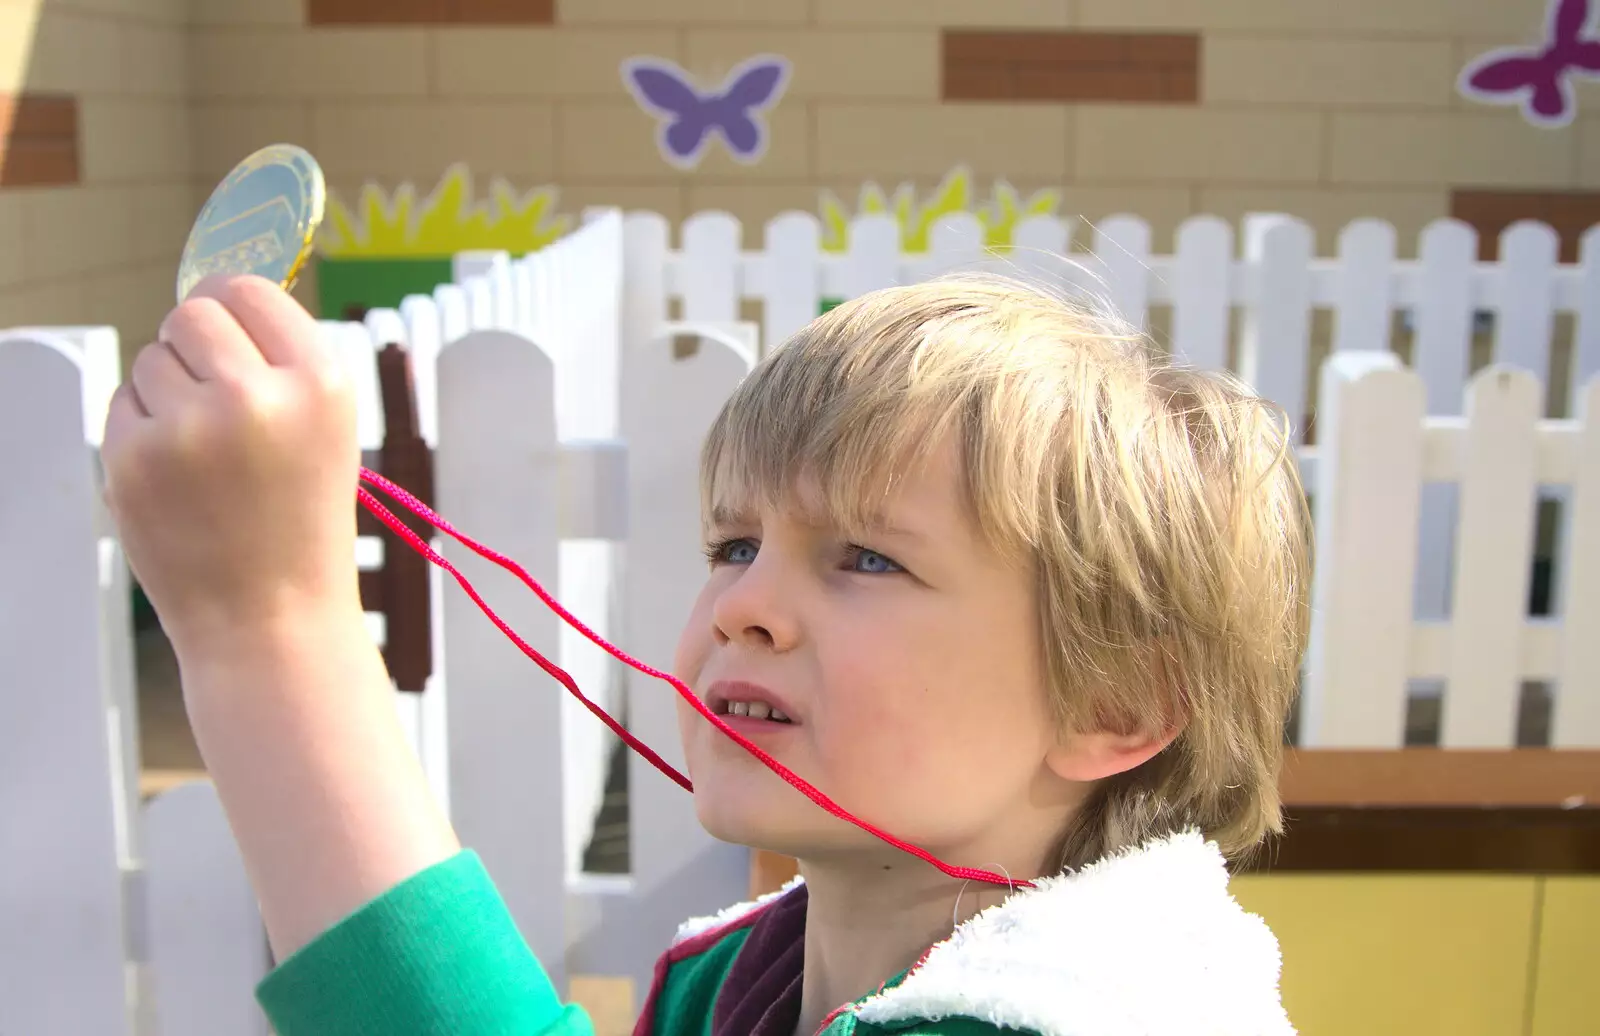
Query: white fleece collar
700	925
1145	943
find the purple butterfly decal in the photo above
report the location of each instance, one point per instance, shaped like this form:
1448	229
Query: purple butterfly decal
1540	79
690	118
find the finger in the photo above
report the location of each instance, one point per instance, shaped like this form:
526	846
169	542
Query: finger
160	378
125	401
123	417
282	330
206	337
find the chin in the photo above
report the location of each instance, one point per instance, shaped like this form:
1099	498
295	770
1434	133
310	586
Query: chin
761	811
746	808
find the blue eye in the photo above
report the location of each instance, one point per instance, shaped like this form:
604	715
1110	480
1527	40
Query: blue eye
733	552
864	560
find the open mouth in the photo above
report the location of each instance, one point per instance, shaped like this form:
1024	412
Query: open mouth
752	709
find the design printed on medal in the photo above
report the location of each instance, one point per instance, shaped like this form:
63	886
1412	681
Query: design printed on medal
689	118
260	219
1540	79
250	240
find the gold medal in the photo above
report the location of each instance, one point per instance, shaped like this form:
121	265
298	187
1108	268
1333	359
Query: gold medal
261	219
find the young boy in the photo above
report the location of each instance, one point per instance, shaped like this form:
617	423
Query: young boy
982	568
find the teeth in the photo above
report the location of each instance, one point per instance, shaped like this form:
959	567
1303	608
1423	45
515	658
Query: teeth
756	710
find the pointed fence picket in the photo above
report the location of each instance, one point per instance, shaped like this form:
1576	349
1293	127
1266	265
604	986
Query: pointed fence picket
1202	293
1494	537
1275	344
1370	460
63	811
1442	319
506	758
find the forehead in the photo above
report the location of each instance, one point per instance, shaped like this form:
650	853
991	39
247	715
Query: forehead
923	495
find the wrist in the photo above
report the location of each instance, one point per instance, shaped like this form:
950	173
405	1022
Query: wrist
202	643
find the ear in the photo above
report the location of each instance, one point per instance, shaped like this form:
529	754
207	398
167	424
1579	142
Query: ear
1100	754
1118	743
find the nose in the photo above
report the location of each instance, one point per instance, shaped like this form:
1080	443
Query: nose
757	607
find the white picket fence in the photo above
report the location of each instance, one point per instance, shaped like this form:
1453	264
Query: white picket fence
566	435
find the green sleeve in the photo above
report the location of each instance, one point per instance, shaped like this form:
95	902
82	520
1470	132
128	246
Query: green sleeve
437	954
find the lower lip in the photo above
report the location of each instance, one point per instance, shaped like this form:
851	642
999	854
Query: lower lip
751	728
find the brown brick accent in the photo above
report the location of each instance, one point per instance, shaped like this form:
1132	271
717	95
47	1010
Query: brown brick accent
1158	68
1491	211
430	12
38	140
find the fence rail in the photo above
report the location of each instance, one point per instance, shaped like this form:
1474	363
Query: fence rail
560	422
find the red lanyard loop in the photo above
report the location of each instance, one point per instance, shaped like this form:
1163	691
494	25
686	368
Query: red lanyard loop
422	511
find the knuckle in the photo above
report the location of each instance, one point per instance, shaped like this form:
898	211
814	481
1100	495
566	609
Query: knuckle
245	398
251	289
329	381
196	314
225	292
147	355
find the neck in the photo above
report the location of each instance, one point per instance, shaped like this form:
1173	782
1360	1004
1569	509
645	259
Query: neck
869	919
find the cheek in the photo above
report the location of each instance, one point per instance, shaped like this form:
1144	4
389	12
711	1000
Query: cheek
695	640
893	697
909	700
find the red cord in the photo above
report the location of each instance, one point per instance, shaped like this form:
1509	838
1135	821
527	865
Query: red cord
422	511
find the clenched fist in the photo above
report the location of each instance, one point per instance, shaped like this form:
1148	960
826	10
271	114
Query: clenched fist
231	465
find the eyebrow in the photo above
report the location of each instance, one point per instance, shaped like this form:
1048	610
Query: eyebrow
724	515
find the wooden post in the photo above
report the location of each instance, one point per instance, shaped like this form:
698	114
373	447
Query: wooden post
407	461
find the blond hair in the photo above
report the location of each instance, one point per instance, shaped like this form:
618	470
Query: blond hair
1160	507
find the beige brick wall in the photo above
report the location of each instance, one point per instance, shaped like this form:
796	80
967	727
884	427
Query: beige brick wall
1257	145
1483	147
323	64
543	62
682	12
1329	110
1366	18
1309	72
894	141
1589	154
1030	14
836	63
103	250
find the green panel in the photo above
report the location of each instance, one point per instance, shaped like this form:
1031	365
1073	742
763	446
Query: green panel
375	283
828	304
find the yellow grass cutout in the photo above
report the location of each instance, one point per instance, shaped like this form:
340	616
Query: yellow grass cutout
998	216
447	221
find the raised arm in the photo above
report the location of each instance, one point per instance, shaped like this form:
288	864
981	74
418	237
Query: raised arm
231	464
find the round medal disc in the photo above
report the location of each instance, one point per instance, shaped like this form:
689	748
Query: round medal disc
262	219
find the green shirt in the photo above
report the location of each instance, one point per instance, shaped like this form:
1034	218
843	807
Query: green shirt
437	955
